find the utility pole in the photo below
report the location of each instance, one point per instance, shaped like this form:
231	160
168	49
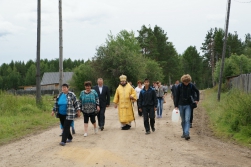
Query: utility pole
60	45
38	86
212	60
224	48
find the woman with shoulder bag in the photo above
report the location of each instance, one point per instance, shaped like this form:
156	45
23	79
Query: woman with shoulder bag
89	101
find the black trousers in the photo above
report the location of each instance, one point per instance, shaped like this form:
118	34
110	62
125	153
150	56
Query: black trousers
66	128
191	118
148	113
139	113
101	117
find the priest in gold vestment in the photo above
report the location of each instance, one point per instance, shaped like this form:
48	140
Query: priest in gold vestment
124	96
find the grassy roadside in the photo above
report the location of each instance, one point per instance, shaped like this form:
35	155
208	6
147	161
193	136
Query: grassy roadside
231	118
19	116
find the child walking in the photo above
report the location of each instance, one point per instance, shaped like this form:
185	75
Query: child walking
148	105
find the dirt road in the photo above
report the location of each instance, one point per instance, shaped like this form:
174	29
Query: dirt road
114	147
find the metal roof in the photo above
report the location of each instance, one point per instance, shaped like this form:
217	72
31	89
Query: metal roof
53	78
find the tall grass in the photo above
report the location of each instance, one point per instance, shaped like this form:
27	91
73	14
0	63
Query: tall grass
231	117
19	116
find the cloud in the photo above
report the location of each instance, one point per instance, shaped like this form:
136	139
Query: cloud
215	17
7	28
75	11
89	12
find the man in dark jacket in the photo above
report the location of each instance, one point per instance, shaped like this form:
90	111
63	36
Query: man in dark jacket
148	105
183	101
104	101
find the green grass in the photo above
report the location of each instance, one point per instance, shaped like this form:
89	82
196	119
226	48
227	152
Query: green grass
231	117
20	116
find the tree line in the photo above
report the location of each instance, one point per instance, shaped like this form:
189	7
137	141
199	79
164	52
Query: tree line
150	54
18	73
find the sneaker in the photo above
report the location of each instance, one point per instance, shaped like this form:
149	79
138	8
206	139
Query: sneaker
102	128
148	132
62	143
73	131
183	136
153	129
68	140
95	130
187	137
85	135
191	125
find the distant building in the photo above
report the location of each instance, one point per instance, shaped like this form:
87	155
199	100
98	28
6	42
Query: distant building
50	80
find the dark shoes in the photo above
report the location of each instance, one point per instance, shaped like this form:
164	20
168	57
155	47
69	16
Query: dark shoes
187	137
148	132
73	131
62	143
126	127
102	128
153	129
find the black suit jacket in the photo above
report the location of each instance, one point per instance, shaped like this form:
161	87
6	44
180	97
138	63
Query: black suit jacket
104	97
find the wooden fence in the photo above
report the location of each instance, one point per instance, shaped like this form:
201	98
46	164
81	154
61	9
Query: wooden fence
241	82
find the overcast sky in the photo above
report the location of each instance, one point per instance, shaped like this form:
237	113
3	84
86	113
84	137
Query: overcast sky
86	24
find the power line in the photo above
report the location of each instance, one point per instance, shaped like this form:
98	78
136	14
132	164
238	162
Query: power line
242	1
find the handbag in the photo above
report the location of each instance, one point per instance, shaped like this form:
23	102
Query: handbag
193	103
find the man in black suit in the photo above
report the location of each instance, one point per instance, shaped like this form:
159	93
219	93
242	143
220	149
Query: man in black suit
104	101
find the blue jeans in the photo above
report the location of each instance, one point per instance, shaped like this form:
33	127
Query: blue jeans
185	114
160	106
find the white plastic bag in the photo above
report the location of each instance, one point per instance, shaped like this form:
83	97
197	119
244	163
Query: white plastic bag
175	115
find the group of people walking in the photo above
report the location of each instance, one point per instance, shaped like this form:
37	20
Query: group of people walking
94	100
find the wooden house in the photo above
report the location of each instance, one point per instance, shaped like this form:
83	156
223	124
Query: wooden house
50	80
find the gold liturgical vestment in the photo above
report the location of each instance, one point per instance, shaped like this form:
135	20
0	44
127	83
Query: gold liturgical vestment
122	98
